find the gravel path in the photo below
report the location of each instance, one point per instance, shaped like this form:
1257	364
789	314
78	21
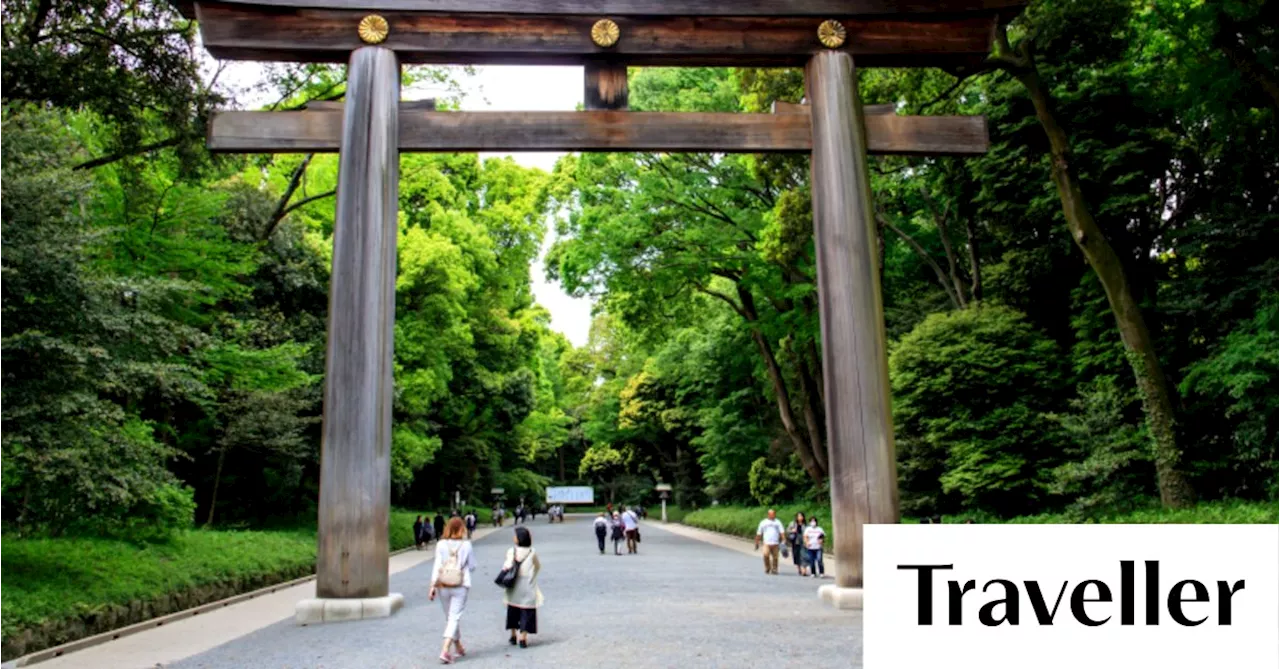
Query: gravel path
679	603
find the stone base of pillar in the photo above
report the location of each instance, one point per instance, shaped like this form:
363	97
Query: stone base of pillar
315	611
841	598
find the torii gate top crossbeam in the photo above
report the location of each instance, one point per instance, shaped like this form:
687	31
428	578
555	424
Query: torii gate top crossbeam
743	33
775	8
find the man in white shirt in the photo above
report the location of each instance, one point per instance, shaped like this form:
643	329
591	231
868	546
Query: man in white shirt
770	531
631	524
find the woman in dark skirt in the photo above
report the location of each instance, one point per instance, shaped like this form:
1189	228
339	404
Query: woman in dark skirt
795	536
523	598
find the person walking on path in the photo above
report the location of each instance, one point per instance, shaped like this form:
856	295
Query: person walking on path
619	532
451	581
602	530
631	523
438	524
470	520
523	598
814	539
770	531
417	533
795	537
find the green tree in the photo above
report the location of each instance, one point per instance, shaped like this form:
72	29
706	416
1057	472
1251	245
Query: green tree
77	348
970	391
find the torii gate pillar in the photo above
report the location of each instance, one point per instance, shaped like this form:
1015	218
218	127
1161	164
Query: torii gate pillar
863	472
352	562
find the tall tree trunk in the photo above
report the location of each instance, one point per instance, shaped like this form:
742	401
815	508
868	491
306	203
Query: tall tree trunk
940	221
26	506
1175	490
217	479
924	255
745	307
783	398
975	269
813	419
803	450
814	361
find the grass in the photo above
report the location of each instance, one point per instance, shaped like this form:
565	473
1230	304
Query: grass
1221	512
97	584
742	521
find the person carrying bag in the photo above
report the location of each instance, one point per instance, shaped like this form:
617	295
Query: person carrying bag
522	597
451	582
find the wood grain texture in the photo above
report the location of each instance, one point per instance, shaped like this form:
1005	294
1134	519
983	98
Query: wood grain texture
780	8
605	86
338	105
780	107
355	451
312	131
864	481
249	32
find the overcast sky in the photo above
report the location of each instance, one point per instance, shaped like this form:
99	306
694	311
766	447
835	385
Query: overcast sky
496	88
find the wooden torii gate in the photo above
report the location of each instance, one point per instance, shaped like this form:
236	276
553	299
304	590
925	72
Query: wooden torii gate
605	36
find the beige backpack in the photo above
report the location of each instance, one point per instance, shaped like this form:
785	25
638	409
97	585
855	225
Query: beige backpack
450	575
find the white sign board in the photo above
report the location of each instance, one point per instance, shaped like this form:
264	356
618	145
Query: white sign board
570	495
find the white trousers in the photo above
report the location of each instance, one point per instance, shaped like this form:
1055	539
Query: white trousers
453	601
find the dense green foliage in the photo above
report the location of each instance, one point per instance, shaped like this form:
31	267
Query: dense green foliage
1012	391
742	521
971	389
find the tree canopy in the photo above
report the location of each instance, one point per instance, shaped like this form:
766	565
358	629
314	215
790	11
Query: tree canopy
1083	318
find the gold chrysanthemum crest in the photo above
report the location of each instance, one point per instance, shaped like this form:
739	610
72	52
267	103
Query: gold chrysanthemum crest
831	34
605	33
373	29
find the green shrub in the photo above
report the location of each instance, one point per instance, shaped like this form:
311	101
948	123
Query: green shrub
770	484
1148	511
742	521
1236	385
1110	464
168	509
970	391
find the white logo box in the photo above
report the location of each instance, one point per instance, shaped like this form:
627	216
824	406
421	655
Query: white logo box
1085	631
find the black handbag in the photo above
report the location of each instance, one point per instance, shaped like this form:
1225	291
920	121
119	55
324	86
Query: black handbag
506	578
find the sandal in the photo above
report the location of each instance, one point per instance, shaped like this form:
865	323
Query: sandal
462	652
445	658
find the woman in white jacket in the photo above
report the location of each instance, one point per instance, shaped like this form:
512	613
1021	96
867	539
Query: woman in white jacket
523	598
451	580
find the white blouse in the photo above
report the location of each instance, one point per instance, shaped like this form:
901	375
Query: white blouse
466	559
